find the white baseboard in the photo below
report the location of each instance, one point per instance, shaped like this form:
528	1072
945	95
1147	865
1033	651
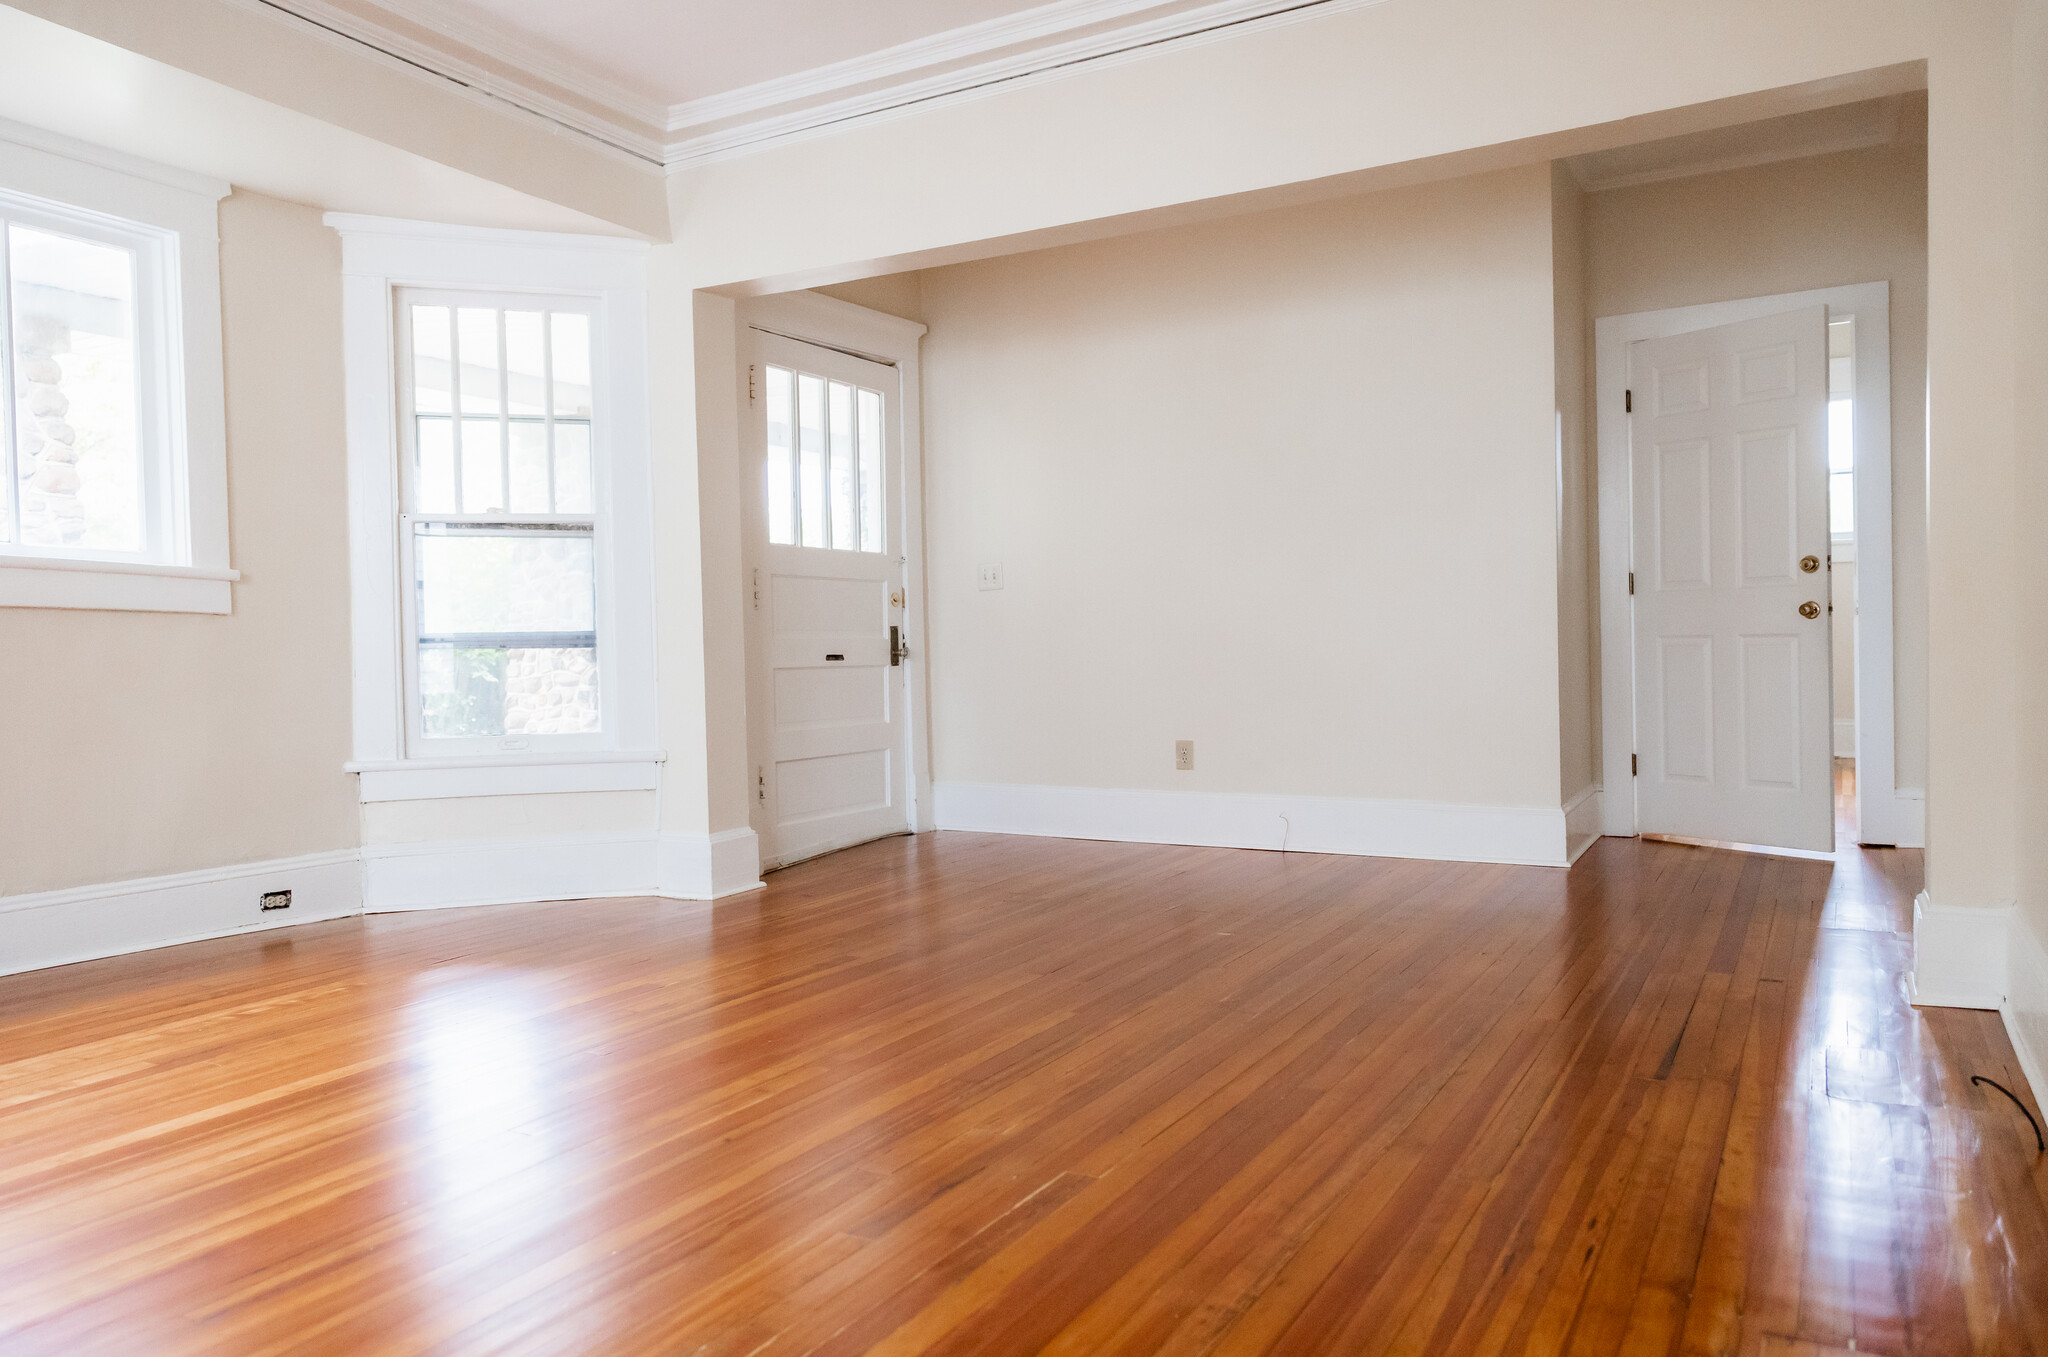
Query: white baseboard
55	928
1307	824
558	867
1582	822
709	866
1845	737
449	872
2026	1004
1959	955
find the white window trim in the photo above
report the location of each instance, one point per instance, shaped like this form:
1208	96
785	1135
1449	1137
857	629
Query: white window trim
196	576
379	256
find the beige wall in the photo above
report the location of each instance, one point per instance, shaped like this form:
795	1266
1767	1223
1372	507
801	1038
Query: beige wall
1578	662
1842	636
1284	485
1823	221
146	743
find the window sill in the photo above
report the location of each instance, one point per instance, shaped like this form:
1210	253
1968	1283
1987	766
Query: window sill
114	586
509	775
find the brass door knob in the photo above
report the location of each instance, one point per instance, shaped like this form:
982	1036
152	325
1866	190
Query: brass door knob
1809	610
1809	563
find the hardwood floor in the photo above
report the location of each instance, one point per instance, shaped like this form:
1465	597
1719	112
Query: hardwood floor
973	1094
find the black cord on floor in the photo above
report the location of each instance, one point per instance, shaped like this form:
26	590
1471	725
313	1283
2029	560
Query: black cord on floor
2039	1143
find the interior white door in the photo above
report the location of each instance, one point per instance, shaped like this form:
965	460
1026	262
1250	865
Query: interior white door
826	689
1728	449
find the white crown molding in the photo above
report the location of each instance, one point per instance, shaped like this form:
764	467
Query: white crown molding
530	77
616	119
1208	23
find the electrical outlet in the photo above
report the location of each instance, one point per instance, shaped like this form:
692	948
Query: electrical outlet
277	900
991	577
1184	756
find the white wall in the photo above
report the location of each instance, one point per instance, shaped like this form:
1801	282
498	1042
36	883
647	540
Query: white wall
1820	221
1284	485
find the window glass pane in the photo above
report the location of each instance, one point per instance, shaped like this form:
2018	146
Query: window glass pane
511	582
572	469
527	451
433	489
78	455
781	460
1841	435
810	399
431	394
569	351
476	338
483	489
1841	504
469	691
526	390
839	411
870	471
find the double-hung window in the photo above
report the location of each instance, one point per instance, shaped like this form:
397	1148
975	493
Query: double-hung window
499	530
112	440
501	552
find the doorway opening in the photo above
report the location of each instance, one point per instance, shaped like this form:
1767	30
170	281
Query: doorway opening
1858	726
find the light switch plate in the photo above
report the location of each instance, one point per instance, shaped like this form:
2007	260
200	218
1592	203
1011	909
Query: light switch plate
991	577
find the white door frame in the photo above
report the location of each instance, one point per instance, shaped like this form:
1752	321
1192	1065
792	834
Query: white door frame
1885	813
814	318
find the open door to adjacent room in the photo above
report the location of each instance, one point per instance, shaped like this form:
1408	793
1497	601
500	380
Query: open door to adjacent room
1728	446
827	696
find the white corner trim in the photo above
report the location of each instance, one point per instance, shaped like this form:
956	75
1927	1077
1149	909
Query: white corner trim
55	928
709	866
1959	955
1308	824
115	586
509	775
1845	737
2026	1006
1582	821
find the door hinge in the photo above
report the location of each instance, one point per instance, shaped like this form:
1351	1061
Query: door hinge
752	369
1631	765
1631	582
761	782
1628	402
757	588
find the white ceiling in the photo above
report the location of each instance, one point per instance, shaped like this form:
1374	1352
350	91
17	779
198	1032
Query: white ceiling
671	52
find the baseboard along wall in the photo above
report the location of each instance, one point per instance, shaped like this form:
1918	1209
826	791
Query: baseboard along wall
1307	824
56	928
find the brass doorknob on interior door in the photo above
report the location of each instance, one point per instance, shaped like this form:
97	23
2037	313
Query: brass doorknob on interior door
1809	610
1809	563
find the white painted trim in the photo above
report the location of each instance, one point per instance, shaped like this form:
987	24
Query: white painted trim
1845	737
183	384
1308	824
1145	38
115	586
55	928
2026	1004
1959	955
1886	814
380	255
813	317
514	775
710	866
527	76
1582	821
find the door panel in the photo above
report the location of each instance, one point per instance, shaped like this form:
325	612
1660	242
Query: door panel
826	724
1729	449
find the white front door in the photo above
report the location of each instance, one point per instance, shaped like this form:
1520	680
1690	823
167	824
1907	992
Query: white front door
1728	448
823	455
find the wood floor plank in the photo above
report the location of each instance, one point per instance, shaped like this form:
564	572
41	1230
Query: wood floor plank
972	1094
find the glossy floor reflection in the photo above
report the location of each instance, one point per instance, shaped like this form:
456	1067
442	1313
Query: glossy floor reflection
967	1093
